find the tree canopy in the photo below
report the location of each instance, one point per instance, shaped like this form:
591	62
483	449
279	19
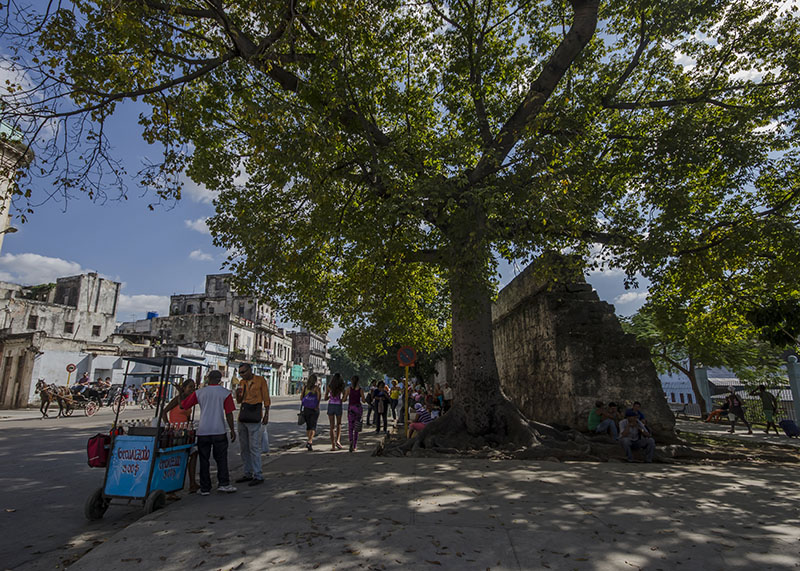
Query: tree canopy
376	158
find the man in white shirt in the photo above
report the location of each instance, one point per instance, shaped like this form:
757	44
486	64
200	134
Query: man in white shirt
447	396
633	435
216	407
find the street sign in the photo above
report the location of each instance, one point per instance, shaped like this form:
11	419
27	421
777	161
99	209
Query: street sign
71	368
406	356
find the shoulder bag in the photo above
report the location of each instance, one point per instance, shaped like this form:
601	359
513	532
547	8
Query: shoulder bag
249	412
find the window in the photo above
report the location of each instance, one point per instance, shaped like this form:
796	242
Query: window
189	308
689	398
235	341
682	398
33	321
210	309
241	309
95	331
69	327
672	397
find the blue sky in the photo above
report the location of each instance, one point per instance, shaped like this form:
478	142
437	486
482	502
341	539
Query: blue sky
152	253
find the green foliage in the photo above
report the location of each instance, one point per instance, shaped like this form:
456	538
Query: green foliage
376	157
682	337
341	363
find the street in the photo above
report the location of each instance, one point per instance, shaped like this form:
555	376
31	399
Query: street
46	480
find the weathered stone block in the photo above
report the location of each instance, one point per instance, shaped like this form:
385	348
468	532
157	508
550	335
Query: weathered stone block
558	352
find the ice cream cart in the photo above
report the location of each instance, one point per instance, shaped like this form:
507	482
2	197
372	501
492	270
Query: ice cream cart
147	461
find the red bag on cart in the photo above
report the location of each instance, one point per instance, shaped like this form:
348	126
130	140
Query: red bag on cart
97	450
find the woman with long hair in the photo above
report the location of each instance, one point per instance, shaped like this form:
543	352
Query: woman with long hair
354	397
310	400
333	394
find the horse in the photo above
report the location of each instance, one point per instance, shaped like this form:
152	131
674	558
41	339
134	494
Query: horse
50	392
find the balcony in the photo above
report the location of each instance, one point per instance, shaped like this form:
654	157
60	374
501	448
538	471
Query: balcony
267	356
237	355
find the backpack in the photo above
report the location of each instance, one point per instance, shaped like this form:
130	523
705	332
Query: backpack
97	450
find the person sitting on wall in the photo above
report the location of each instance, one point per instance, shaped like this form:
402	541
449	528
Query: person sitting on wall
634	435
604	420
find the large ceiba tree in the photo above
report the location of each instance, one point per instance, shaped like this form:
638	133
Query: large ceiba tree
376	158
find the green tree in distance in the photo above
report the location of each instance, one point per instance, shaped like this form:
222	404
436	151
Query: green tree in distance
377	157
341	362
683	336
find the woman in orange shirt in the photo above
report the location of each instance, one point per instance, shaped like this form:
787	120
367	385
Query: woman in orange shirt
174	414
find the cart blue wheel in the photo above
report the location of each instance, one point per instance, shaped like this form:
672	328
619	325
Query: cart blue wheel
155	501
96	505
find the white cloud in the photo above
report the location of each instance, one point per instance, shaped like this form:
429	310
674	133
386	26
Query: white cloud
630	302
199	225
33	269
140	304
199	193
200	256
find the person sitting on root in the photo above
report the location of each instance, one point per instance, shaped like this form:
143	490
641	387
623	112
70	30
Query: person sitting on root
604	420
633	435
423	417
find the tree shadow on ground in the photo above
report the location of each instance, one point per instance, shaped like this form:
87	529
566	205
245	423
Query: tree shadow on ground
336	510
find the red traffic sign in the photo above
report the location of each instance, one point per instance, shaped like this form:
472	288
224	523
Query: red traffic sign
71	368
406	356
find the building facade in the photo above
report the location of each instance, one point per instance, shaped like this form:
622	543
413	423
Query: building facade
222	317
45	327
311	351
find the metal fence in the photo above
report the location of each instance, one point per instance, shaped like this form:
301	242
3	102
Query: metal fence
754	412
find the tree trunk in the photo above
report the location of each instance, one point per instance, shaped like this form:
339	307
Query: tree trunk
481	413
693	380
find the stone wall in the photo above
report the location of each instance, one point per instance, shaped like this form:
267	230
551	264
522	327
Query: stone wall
559	348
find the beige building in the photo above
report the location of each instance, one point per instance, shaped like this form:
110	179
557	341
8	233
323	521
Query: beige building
311	351
222	316
45	327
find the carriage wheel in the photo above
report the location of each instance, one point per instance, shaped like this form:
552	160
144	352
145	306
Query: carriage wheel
91	408
155	501
118	405
96	505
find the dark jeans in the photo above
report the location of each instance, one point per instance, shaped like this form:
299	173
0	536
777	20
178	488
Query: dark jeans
379	416
219	444
370	410
393	404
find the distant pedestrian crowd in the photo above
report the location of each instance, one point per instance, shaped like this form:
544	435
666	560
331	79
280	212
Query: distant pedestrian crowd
378	399
252	394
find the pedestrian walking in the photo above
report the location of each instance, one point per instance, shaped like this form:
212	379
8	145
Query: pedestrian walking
770	405
252	395
380	404
447	394
735	409
394	398
333	394
310	399
370	408
354	397
216	407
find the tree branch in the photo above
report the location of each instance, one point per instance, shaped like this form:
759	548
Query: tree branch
583	28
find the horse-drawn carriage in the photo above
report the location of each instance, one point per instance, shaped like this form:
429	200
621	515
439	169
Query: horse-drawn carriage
81	397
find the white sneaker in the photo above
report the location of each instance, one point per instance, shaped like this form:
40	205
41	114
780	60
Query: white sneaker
227	489
203	493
